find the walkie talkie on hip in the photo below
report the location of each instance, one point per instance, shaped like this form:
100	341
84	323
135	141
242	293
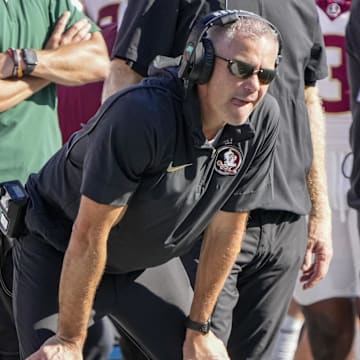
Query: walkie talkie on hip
13	201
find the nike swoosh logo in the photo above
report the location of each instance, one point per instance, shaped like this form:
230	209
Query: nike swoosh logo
172	168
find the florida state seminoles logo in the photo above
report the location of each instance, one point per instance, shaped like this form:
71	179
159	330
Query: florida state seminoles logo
228	161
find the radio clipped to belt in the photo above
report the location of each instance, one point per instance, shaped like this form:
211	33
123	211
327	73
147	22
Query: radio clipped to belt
13	201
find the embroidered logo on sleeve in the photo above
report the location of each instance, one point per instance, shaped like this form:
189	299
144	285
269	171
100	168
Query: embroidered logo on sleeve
228	161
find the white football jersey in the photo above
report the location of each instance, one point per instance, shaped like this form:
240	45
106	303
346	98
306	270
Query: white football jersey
334	90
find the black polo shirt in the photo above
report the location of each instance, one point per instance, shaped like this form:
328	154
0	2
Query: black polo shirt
303	63
150	28
145	149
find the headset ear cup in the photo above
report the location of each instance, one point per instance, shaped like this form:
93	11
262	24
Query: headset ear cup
207	62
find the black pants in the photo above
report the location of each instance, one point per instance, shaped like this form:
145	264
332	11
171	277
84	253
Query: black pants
265	283
101	335
259	288
150	306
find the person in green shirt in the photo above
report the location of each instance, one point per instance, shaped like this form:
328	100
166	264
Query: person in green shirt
42	43
29	129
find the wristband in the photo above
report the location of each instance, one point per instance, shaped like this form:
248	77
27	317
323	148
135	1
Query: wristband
197	326
15	58
20	72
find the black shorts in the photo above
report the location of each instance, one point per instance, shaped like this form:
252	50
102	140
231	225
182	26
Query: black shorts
155	27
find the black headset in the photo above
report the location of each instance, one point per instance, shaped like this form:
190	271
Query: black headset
198	59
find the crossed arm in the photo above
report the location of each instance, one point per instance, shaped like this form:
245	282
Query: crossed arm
61	61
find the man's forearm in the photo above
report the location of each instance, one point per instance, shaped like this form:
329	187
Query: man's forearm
82	270
120	77
74	64
316	180
83	267
221	245
14	91
319	246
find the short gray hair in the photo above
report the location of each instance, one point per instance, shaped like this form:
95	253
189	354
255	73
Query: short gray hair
250	26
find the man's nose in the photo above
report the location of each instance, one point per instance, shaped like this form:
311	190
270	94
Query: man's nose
252	83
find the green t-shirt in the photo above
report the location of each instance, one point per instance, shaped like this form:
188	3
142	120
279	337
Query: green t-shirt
29	131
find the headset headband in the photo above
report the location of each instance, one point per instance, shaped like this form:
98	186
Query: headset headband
201	27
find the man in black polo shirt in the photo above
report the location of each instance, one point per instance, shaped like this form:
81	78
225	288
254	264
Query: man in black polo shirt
261	284
160	165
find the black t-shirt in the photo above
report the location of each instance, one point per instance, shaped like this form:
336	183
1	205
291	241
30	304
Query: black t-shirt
145	149
150	28
303	62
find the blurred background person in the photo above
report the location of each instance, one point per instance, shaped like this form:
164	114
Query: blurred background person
353	61
353	57
34	56
330	308
150	28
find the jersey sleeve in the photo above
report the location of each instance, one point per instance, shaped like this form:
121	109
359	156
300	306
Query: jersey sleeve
122	147
256	187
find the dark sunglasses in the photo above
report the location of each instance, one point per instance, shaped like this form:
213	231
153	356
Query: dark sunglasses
243	70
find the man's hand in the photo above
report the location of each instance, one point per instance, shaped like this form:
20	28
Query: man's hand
6	66
199	346
57	349
78	32
318	252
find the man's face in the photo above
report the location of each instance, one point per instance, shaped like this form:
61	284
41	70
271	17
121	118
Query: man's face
227	98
